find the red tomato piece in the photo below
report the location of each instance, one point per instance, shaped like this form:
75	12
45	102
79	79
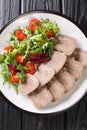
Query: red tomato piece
19	58
33	23
14	77
20	35
8	47
30	68
49	33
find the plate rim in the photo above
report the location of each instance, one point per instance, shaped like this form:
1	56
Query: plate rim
35	12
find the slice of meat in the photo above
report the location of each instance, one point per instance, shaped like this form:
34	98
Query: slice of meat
44	74
74	67
29	85
65	44
57	61
56	89
81	56
41	98
66	79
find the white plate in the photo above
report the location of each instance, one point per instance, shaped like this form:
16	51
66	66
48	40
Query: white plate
69	99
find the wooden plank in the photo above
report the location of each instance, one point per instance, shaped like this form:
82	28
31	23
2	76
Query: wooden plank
77	10
1	113
8	10
29	5
76	118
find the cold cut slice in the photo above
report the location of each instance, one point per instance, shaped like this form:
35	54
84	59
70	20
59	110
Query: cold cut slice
44	74
29	85
57	61
56	88
74	67
66	79
81	56
65	44
41	98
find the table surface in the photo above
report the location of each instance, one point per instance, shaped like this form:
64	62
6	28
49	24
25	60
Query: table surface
74	118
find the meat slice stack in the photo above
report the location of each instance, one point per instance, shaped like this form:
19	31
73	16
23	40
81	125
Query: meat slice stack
57	76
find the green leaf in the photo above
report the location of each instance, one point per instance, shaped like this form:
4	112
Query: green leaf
2	58
38	50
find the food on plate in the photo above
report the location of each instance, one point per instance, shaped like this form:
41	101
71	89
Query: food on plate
65	44
44	74
66	79
41	98
57	61
81	56
27	48
29	85
56	88
41	63
74	67
34	23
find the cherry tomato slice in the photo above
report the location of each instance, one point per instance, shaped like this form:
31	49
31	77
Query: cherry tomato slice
8	47
33	23
49	33
20	35
30	68
14	77
19	58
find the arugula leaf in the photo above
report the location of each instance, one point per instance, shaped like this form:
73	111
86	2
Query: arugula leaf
5	73
2	58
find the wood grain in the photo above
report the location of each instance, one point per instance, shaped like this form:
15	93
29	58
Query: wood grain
8	10
77	10
76	117
29	5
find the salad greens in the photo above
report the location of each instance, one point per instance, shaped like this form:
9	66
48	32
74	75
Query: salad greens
40	41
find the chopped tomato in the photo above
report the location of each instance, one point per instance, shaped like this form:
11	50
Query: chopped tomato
14	77
49	33
20	35
19	58
33	23
8	47
30	68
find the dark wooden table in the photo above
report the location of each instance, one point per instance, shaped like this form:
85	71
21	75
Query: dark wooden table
74	118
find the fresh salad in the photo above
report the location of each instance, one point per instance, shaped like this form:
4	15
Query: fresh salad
28	46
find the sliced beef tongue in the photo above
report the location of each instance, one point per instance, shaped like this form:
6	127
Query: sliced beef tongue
44	74
30	84
57	61
59	73
65	44
81	56
56	88
41	98
66	79
74	67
